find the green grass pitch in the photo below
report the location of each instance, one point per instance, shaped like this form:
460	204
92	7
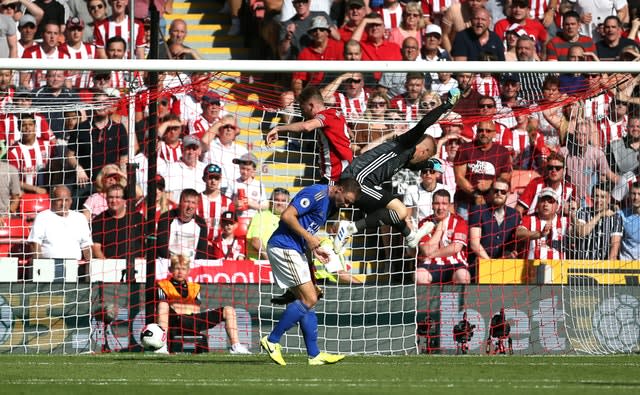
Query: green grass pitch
139	374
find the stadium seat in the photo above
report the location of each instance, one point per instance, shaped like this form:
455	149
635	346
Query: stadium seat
521	178
32	203
12	232
243	226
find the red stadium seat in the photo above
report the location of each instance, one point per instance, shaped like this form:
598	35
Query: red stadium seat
521	178
243	226
13	231
32	203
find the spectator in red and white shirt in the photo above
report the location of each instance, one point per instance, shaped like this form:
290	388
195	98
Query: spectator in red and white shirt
544	231
553	177
211	113
77	50
27	29
212	201
353	100
116	48
356	10
118	25
170	146
520	11
408	103
528	147
442	254
376	47
47	49
10	122
30	155
227	245
391	14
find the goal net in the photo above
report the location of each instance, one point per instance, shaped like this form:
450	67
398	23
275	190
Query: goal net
540	236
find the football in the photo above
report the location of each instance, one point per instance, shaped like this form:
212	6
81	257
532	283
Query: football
153	337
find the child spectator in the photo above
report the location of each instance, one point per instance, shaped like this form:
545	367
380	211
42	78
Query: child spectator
248	192
227	245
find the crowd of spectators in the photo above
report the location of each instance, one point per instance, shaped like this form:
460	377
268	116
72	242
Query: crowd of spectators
578	135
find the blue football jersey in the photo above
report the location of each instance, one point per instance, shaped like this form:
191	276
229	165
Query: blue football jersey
314	207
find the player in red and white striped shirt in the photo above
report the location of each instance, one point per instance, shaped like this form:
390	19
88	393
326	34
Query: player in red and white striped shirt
29	155
212	202
48	49
544	231
443	252
118	25
77	50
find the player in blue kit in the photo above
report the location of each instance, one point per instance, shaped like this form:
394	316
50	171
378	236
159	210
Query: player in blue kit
307	212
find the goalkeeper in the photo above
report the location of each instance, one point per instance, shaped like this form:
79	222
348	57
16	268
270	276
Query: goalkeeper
299	222
411	150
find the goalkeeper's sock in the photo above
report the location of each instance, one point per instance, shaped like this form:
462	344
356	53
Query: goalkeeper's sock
380	217
291	316
309	326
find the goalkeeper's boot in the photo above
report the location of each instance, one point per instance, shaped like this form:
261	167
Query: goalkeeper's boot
325	359
345	230
413	239
454	95
273	349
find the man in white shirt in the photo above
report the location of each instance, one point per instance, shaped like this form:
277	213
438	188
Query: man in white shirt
59	232
187	172
223	149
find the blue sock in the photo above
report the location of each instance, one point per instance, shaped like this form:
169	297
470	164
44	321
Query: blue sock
309	326
294	312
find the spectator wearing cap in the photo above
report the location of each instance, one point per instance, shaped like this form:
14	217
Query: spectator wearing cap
211	113
248	193
419	198
477	40
47	49
223	148
375	47
118	24
544	233
520	17
8	37
77	49
492	227
321	47
510	94
27	29
457	18
558	46
356	10
187	172
227	245
293	32
212	201
54	12
98	10
264	223
431	50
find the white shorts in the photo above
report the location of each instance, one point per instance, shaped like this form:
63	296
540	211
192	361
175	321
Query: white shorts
289	268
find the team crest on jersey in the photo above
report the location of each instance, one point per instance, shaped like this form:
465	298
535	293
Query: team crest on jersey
304	202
